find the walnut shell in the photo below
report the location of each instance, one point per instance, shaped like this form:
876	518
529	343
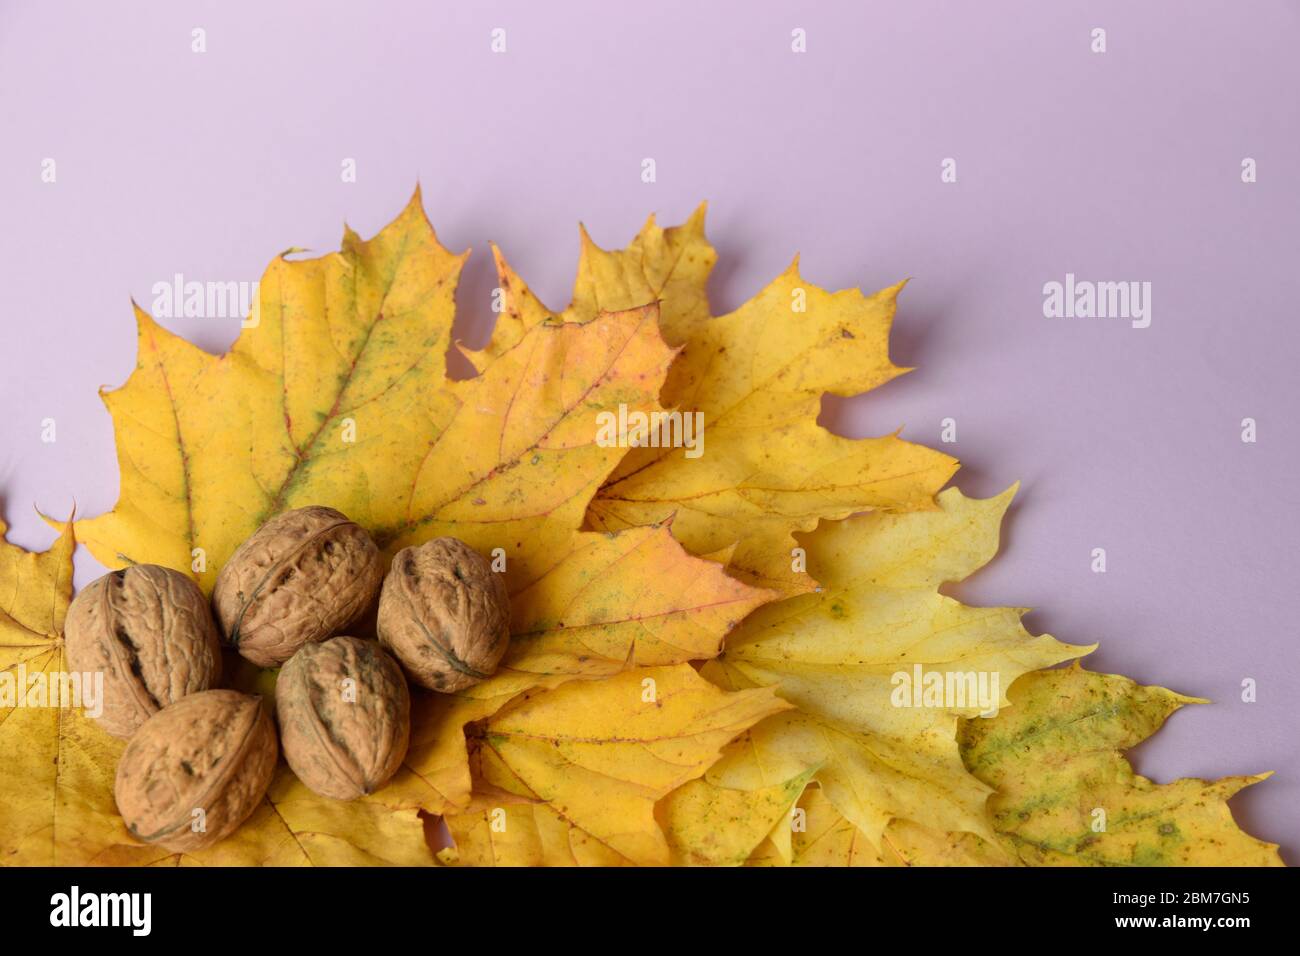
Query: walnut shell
445	614
302	577
149	631
213	752
345	716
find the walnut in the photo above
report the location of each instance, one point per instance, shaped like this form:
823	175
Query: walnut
301	577
345	716
149	631
445	614
196	770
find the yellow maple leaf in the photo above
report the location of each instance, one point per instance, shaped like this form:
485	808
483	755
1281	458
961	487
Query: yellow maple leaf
858	658
823	837
611	601
820	836
708	825
910	844
616	597
42	745
1066	796
508	830
336	394
601	753
670	266
56	781
755	378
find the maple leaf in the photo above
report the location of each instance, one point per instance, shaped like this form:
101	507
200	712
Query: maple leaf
837	655
756	377
620	597
823	837
337	395
503	829
51	775
611	601
704	825
1054	758
56	780
708	825
601	753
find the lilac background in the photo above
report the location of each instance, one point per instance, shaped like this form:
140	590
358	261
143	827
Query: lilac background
1117	166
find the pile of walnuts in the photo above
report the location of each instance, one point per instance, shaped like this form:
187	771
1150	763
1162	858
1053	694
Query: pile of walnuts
200	759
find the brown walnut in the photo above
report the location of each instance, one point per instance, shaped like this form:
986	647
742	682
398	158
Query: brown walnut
445	614
345	716
149	631
302	577
196	770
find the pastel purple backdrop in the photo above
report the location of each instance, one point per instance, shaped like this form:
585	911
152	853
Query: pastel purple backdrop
1117	166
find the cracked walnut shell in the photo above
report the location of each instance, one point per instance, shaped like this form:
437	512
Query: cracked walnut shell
302	577
196	770
149	631
445	614
345	716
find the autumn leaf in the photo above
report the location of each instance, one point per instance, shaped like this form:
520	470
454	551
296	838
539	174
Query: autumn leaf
56	778
910	844
1066	796
855	657
510	829
619	597
336	394
821	836
56	781
435	774
708	825
612	601
756	378
825	838
670	266
602	753
507	830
